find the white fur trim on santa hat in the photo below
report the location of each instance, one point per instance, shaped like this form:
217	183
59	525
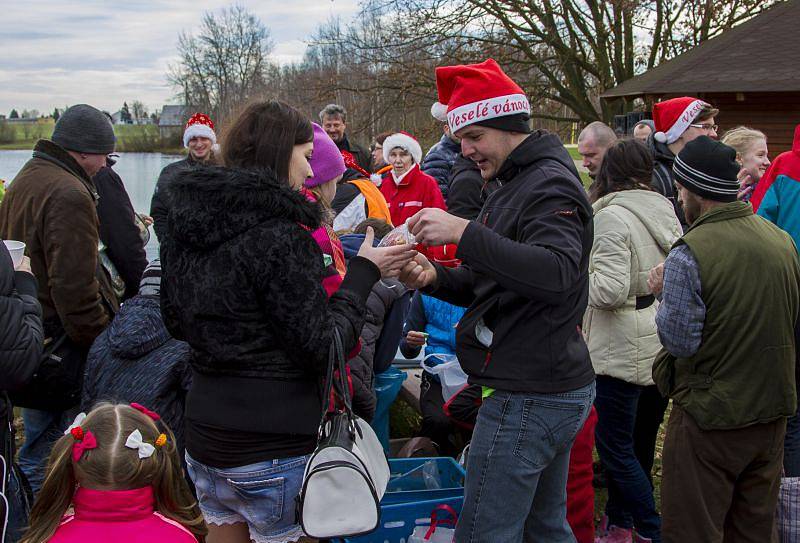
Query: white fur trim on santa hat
198	130
403	141
686	118
376	179
482	110
439	111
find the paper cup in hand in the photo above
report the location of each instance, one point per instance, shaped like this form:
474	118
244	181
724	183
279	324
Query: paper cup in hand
17	250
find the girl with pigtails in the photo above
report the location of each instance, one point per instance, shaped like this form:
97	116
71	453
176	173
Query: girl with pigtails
115	476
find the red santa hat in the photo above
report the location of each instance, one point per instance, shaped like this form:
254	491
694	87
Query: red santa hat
199	125
672	117
475	93
404	140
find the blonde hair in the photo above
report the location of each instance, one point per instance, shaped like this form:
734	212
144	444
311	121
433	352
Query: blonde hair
743	138
113	466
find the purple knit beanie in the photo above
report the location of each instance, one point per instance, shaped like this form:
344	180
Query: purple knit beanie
326	162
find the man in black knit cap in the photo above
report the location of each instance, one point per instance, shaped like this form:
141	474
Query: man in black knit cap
51	207
728	361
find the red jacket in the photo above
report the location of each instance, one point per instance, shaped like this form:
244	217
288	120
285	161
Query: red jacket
416	191
118	515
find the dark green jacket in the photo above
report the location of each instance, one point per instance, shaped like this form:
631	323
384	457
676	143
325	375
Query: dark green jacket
744	370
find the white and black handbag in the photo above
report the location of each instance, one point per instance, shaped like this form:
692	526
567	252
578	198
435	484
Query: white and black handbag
347	474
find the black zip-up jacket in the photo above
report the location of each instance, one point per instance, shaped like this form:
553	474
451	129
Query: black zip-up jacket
467	190
118	229
663	178
161	202
525	277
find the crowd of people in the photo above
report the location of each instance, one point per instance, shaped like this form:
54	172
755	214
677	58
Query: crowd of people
179	400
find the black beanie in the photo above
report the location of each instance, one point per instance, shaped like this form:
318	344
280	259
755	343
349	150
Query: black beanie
509	123
85	129
709	169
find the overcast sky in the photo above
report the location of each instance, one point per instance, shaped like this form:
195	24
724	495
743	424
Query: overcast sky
55	52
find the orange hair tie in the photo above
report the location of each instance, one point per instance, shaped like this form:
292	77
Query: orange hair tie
161	440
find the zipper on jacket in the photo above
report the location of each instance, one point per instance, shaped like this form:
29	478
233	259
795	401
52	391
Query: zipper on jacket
486	360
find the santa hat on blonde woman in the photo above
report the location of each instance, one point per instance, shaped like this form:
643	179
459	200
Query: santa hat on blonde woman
199	125
673	117
405	141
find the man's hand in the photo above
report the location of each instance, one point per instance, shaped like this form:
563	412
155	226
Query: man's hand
390	260
416	339
146	219
655	279
418	273
434	226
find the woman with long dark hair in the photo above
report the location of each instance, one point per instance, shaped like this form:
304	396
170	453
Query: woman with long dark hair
634	229
242	284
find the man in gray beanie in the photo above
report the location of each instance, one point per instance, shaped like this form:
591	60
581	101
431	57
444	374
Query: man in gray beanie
730	294
50	206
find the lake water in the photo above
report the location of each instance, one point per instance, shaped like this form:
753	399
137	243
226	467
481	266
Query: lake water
139	172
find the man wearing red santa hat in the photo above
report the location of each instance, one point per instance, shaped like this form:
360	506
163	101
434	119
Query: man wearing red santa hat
678	121
524	279
201	141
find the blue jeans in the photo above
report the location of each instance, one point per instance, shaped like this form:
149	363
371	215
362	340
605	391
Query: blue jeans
42	430
791	446
630	494
516	487
262	495
18	508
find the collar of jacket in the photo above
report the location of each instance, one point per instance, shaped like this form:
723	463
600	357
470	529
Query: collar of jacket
52	152
406	178
344	143
216	203
113	505
539	145
725	212
661	151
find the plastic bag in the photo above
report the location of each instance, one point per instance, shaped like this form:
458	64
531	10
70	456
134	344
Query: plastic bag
398	236
451	376
435	532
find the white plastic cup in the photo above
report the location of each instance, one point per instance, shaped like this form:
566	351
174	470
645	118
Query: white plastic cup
17	250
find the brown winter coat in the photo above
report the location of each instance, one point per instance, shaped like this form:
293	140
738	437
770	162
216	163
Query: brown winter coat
50	206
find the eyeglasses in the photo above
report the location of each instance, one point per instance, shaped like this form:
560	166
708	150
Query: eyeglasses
377	147
706	127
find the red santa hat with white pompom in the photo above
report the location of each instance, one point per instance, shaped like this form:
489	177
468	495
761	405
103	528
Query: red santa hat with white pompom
672	117
480	93
199	125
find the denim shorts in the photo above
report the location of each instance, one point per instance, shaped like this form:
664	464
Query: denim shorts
263	495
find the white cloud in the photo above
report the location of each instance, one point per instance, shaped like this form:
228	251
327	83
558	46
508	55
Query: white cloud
104	52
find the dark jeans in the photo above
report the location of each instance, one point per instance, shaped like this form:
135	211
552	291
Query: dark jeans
720	485
649	416
791	446
630	493
516	487
18	507
42	430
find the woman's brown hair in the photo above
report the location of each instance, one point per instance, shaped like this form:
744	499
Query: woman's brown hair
263	136
627	165
113	466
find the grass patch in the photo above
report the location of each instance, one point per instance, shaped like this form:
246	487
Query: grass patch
573	152
404	421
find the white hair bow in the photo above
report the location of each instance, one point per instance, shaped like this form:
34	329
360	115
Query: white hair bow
134	441
79	418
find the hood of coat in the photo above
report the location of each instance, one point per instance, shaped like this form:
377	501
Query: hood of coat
215	204
661	152
6	271
138	328
654	212
538	146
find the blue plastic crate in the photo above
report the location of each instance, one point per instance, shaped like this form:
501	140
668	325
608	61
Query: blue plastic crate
423	479
398	521
387	386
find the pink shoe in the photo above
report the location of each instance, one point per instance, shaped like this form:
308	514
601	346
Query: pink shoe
615	534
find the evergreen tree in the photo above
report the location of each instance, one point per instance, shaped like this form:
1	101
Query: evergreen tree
14	114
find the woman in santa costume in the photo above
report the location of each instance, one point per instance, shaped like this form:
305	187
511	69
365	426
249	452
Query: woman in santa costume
406	188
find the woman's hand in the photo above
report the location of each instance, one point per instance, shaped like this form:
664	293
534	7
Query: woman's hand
390	260
24	265
416	339
418	273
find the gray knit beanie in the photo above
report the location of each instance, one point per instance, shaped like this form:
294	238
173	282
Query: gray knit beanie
85	129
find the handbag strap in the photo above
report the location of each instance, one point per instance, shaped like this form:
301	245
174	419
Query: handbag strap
436	521
336	360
